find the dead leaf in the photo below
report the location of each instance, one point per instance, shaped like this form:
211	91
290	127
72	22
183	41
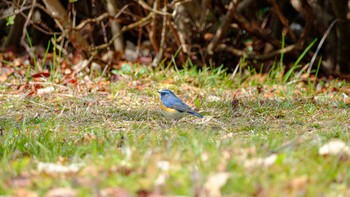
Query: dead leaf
80	66
87	138
215	182
334	148
61	192
3	78
24	193
46	90
208	36
261	162
346	99
163	165
21	181
42	74
299	183
235	103
114	192
52	168
168	81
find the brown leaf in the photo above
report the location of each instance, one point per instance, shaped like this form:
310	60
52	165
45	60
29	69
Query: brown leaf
261	162
61	192
299	183
45	90
3	78
24	193
168	81
42	74
52	168
235	103
208	36
114	192
335	148
215	182
21	181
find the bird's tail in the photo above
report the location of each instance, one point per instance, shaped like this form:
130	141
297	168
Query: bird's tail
196	114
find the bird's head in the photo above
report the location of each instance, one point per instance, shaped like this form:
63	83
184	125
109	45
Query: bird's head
165	93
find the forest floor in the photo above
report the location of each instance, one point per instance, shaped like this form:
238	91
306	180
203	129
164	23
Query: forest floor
259	136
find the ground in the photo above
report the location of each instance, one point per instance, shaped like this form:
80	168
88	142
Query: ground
259	136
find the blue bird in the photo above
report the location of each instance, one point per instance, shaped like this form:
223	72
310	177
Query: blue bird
172	107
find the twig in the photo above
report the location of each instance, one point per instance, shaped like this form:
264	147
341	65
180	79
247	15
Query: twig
152	33
238	52
162	38
104	33
141	22
29	16
40	28
147	7
59	14
16	11
179	41
320	45
256	31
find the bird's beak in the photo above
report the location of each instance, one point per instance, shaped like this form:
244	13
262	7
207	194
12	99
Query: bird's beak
159	91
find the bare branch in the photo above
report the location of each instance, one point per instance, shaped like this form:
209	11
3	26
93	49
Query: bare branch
24	32
239	53
152	33
220	33
283	19
162	38
142	22
147	7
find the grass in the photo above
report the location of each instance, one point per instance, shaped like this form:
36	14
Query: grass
121	141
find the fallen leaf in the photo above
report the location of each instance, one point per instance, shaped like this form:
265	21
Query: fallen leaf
235	103
346	99
3	78
46	90
114	192
168	81
208	36
212	98
24	193
52	168
42	74
163	165
21	181
334	148
299	183
161	179
215	182
261	162
61	192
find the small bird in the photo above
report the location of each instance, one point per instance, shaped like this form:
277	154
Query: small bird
172	107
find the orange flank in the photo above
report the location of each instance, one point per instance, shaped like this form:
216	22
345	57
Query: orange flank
170	110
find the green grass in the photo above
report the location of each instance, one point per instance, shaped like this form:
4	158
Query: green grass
122	141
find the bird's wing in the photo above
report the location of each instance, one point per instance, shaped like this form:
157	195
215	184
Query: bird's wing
181	107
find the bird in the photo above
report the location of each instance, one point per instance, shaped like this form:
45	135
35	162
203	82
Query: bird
172	107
